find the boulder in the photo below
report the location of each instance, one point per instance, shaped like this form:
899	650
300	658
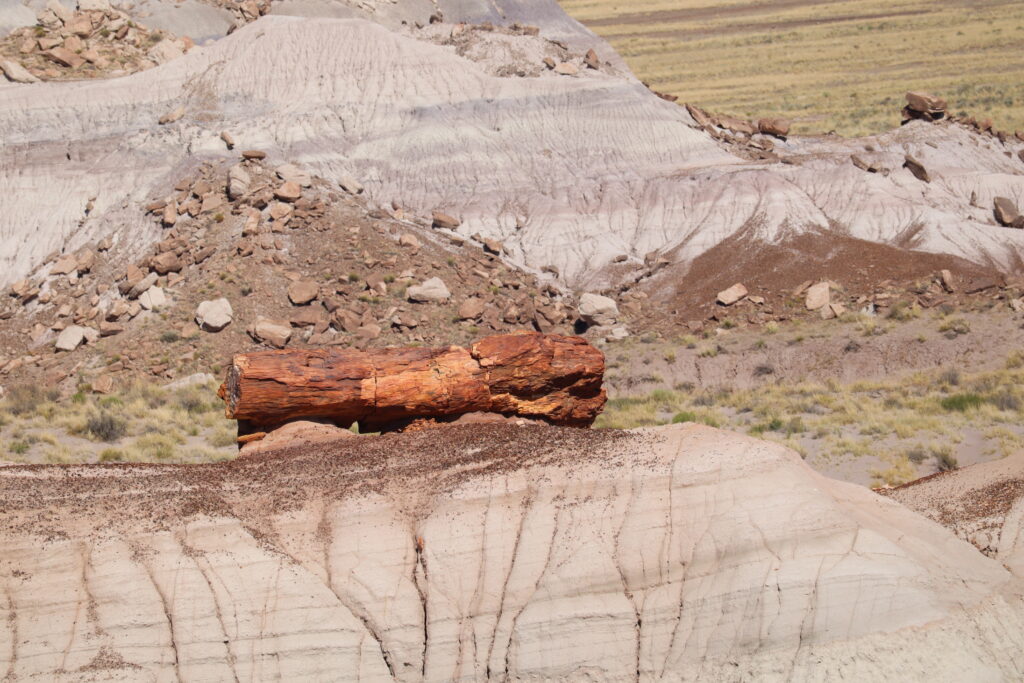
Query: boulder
591	60
238	181
350	184
70	338
64	265
109	329
165	51
289	192
301	292
254	154
925	103
566	69
153	299
818	296
411	241
776	127
443	220
271	332
948	283
293	174
85	260
16	73
471	308
1006	212
142	285
595	309
431	291
297	433
166	262
215	315
732	295
104	384
64	57
917	168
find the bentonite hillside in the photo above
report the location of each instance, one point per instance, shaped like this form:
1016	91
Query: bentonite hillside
424	244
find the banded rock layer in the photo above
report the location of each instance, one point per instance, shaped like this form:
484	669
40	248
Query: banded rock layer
476	553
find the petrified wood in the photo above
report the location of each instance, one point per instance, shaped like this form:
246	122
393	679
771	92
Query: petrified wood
551	377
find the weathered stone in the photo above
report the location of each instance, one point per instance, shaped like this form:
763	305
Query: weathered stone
215	315
917	168
290	173
142	285
16	73
411	241
71	338
591	60
925	103
1005	211
299	432
64	265
948	283
228	139
776	127
104	384
85	260
64	57
350	184
308	316
238	181
443	220
289	192
109	329
165	51
566	69
254	154
172	116
153	299
375	283
271	332
433	290
166	262
170	215
730	296
302	292
471	308
595	309
818	296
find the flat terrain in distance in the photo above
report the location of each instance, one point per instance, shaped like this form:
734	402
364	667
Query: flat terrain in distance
830	65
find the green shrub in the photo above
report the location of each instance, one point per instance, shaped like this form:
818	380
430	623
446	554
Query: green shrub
111	455
962	402
684	416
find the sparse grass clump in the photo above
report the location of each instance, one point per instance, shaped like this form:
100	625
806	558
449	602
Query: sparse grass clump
106	427
962	402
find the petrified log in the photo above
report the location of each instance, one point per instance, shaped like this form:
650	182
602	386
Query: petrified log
551	377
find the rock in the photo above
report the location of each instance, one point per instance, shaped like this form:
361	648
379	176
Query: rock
948	283
369	331
818	296
863	165
170	215
228	139
85	260
215	315
94	5
925	103
566	69
172	116
153	299
271	332
776	127
165	51
1006	212
591	60
16	72
136	290
238	181
289	192
433	290
254	154
730	296
64	265
443	220
471	308
307	316
298	433
64	57
411	241
293	174
104	384
70	338
301	292
376	284
109	329
166	262
595	309
917	168
350	184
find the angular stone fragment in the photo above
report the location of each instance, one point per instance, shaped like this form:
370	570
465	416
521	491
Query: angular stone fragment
64	265
916	168
730	296
171	116
16	73
1006	212
166	262
775	126
566	69
595	309
64	57
238	181
591	60
302	292
71	338
153	299
818	296
228	139
443	220
271	332
288	192
925	103
293	174
254	154
471	309
411	241
350	184
432	291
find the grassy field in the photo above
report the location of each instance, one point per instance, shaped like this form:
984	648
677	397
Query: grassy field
840	66
898	430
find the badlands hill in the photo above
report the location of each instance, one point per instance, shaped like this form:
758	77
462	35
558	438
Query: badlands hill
497	552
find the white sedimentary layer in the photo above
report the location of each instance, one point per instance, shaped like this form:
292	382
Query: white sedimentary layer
569	171
682	553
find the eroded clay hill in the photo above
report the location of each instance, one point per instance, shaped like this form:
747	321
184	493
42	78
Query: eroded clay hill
491	552
521	132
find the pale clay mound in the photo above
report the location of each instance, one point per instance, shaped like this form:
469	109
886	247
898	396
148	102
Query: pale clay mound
590	166
525	553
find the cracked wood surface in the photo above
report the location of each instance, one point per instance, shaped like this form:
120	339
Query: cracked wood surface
549	377
491	553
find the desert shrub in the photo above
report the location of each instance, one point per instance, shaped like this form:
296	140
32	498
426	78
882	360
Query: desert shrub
26	399
106	427
225	435
954	327
684	416
962	402
155	446
19	447
945	460
111	455
950	376
917	454
1005	400
169	337
764	371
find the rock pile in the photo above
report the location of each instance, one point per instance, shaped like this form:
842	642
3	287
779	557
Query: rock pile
91	43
